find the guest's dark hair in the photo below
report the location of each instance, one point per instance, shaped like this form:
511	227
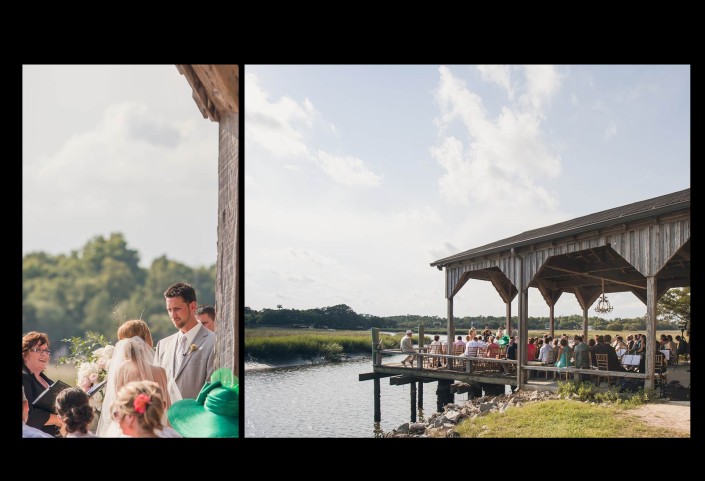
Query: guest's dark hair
76	414
206	309
181	289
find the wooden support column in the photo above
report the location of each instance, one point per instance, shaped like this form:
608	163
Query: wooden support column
412	387
378	403
420	391
508	326
585	325
376	356
451	326
651	298
551	319
523	324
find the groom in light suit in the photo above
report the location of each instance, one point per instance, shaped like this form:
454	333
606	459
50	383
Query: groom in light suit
187	356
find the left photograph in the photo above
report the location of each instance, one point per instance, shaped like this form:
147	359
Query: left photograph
130	251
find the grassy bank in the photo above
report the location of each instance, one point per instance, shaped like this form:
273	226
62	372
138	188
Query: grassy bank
562	419
279	344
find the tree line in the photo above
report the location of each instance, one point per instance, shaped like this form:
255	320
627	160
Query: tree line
673	311
98	287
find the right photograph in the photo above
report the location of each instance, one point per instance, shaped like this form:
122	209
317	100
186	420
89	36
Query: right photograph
467	251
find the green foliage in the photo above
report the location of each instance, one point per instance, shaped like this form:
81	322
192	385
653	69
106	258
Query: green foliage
331	351
81	349
100	286
675	306
264	345
586	391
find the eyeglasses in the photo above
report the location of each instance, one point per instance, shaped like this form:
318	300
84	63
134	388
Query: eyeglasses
45	351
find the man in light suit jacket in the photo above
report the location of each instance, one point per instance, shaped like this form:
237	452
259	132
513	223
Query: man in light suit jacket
187	356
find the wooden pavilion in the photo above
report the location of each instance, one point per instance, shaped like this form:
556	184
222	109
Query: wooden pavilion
216	93
642	248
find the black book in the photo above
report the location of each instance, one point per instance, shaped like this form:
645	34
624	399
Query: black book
96	388
47	399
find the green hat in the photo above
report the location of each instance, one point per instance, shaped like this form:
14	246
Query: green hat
214	414
504	340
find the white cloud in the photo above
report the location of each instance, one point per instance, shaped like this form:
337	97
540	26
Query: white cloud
144	158
276	126
346	169
498	74
503	156
542	82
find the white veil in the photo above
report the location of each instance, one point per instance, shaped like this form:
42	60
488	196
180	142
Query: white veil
131	361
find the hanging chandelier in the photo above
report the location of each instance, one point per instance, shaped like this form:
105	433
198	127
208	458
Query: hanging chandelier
603	305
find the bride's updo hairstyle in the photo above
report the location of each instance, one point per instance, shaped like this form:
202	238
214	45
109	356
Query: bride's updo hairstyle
142	399
135	328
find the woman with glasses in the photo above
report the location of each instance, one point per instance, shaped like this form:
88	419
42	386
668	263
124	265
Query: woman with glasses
35	359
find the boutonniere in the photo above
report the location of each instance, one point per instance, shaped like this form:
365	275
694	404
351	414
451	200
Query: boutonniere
192	348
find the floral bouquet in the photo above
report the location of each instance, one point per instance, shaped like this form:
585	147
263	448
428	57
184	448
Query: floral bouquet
91	364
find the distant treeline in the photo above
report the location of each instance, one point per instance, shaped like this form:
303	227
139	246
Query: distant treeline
343	317
100	286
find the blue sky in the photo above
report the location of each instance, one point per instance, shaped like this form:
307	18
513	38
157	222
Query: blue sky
117	149
357	177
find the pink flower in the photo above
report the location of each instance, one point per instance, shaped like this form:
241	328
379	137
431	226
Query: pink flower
141	402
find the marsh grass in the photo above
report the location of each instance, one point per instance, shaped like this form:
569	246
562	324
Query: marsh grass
561	419
278	344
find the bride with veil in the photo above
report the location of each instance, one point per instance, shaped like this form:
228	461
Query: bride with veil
132	361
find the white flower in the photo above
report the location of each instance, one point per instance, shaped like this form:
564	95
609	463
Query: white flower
102	363
85	383
86	369
106	352
93	377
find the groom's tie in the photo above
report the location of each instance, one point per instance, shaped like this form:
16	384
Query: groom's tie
182	352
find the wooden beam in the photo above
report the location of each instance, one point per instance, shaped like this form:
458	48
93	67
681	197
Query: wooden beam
367	376
602	277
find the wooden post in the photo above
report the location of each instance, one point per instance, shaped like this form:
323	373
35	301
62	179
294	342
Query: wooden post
585	325
651	297
228	281
376	356
508	325
419	359
451	326
420	390
377	396
413	401
523	320
551	320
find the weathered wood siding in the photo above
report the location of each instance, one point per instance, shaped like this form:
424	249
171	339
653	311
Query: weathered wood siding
649	248
227	298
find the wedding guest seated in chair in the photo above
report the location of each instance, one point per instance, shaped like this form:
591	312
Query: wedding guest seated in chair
75	413
138	409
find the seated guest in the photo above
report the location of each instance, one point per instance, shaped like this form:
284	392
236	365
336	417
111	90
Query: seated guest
492	348
530	350
35	359
138	409
564	354
75	413
545	349
459	342
591	349
29	431
613	363
512	349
